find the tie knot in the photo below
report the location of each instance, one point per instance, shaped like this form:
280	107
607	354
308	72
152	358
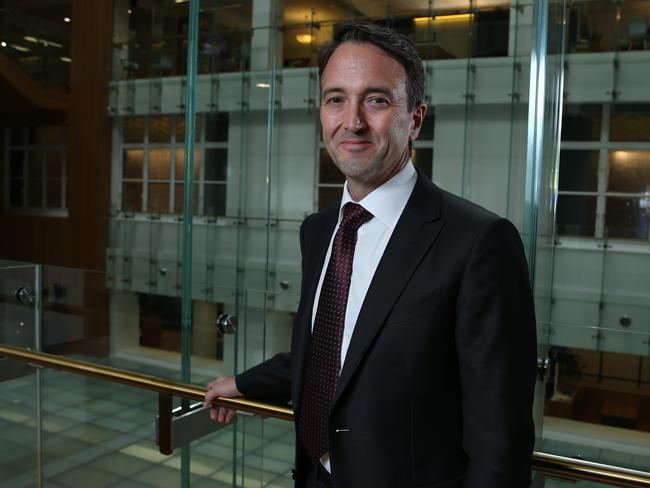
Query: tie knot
354	216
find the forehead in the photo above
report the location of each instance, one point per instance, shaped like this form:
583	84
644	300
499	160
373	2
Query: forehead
354	63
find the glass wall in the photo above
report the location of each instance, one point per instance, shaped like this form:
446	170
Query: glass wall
538	111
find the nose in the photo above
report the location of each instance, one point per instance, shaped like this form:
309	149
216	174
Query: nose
354	120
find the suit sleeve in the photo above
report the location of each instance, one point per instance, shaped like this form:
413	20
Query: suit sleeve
496	346
268	381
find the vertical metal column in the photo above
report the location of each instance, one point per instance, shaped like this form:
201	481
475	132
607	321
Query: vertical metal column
38	346
535	144
188	199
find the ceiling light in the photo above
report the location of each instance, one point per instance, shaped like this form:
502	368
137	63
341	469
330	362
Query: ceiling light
263	85
66	19
453	18
3	44
65	60
22	49
304	38
45	42
422	20
130	11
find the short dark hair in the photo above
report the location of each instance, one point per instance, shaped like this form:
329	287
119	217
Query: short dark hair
396	45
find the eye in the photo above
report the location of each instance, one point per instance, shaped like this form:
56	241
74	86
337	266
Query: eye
334	100
378	101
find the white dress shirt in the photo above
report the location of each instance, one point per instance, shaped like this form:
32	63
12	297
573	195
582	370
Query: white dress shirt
386	203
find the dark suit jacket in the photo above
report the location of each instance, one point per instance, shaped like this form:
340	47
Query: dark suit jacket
437	386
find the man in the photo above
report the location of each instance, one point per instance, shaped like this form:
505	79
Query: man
413	353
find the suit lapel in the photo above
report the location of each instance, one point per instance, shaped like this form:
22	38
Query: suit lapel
412	237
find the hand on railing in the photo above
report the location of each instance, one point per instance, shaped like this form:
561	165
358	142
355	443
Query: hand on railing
222	387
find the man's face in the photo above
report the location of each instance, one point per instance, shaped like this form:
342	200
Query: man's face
366	123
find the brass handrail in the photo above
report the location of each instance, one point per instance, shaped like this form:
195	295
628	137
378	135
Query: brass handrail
548	464
142	381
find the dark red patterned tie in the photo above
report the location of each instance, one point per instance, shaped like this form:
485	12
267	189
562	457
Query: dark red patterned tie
324	359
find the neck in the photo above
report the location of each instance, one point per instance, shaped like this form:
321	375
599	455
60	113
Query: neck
360	189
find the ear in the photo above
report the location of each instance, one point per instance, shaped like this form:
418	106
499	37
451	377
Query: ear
417	118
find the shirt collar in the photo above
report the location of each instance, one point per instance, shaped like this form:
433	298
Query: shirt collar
387	202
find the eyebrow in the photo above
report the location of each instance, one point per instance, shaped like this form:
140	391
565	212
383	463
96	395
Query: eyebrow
370	89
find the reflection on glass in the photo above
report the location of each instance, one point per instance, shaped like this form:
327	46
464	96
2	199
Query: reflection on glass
630	123
132	197
160	129
594	27
133	130
581	122
629	171
216	164
214	199
158	197
160	164
133	160
578	170
627	217
576	215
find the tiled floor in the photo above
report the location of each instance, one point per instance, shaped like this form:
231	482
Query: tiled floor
99	435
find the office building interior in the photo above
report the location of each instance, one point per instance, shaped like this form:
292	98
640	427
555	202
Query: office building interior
158	157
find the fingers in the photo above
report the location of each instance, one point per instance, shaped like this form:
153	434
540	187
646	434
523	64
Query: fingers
223	415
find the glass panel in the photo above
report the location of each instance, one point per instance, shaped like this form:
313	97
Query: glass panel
627	217
158	195
423	159
55	161
629	172
328	196
581	122
216	165
133	130
216	127
328	173
576	215
578	170
16	136
17	192
34	193
35	166
180	163
133	161
160	164
16	164
54	194
20	388
215	199
132	197
630	123
160	129
178	198
180	128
